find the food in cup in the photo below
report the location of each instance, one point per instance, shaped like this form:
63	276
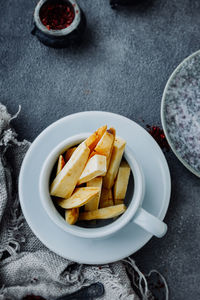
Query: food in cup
89	178
103	213
105	145
117	153
96	166
71	215
79	197
94	204
106	198
65	182
61	163
69	153
121	182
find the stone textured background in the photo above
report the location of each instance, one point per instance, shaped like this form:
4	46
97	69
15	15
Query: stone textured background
122	67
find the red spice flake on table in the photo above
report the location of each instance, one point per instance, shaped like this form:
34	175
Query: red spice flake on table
158	134
56	15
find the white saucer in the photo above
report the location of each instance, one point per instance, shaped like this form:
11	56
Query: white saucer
129	239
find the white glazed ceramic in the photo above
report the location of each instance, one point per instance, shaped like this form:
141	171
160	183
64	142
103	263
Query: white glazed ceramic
133	213
131	237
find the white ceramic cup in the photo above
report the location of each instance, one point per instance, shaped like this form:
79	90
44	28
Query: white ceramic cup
134	213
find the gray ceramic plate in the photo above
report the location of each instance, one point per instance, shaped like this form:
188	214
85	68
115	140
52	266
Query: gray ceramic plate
180	112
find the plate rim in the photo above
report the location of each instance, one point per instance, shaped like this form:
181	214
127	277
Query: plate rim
161	215
163	121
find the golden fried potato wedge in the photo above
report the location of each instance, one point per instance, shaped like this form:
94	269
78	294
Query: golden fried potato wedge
106	198
95	182
65	182
103	213
94	204
110	195
117	153
121	182
103	198
118	201
105	145
69	153
96	166
93	153
93	139
71	215
80	197
61	163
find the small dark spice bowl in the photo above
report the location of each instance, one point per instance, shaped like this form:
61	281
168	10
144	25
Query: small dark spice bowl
59	23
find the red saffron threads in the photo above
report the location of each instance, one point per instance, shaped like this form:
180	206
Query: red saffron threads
57	15
158	134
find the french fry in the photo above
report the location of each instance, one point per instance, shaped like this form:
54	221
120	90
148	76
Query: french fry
94	204
103	213
103	198
106	198
105	145
121	182
69	153
117	153
61	163
71	215
118	201
80	197
93	139
65	182
96	166
92	154
110	196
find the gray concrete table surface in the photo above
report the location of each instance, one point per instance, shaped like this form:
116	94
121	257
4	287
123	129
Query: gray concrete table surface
122	67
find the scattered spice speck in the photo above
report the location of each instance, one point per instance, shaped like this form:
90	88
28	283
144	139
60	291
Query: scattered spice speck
87	92
158	134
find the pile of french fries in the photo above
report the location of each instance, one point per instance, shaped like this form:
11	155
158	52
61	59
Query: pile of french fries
92	175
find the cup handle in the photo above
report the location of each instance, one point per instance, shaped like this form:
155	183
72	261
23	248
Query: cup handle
150	223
